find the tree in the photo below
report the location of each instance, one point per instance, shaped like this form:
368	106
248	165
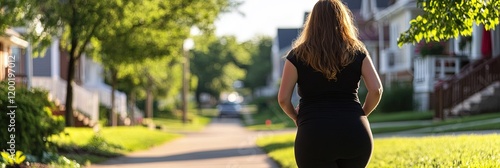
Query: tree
444	19
79	20
12	13
259	70
26	13
217	63
158	31
137	37
154	78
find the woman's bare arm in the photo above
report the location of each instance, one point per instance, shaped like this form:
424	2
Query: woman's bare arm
373	85
288	81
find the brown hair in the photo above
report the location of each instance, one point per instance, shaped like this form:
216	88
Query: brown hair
329	39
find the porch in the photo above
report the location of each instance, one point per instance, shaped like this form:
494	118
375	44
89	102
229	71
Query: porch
431	70
85	103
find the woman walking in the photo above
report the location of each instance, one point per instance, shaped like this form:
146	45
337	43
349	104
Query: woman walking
327	62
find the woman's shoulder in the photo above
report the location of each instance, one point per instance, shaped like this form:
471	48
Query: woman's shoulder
294	59
360	54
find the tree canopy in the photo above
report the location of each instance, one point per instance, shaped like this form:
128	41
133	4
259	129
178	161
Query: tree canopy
260	69
218	62
116	31
445	19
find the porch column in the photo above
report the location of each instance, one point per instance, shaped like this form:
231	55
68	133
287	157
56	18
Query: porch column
29	65
495	35
380	44
477	34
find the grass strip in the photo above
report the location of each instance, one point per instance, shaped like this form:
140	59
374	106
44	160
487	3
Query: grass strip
425	152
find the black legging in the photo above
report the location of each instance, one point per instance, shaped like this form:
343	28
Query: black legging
333	142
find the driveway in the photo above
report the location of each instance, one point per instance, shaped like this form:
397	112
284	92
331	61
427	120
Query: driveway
225	143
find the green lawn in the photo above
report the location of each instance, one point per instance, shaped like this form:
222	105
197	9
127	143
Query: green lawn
439	151
400	116
450	121
82	145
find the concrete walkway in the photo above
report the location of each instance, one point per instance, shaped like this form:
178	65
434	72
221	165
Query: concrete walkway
223	144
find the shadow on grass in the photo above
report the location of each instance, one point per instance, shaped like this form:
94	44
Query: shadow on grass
277	146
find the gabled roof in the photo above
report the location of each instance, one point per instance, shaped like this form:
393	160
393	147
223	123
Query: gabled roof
10	36
356	4
286	36
394	8
353	4
384	3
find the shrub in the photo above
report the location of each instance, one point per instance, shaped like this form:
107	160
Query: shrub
27	126
264	103
397	98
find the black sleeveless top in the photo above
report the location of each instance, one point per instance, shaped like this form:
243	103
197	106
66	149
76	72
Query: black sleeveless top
315	89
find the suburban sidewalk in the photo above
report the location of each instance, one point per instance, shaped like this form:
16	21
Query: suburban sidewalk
223	144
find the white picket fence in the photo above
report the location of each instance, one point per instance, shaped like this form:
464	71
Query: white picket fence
84	101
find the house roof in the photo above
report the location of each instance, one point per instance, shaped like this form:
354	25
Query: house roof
395	8
286	36
13	38
384	3
353	4
356	4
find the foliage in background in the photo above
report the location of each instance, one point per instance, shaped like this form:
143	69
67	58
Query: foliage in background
216	63
399	97
147	46
267	108
444	19
113	26
260	68
430	48
425	152
33	121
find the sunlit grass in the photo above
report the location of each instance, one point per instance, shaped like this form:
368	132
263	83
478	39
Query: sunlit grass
130	138
439	151
400	116
116	141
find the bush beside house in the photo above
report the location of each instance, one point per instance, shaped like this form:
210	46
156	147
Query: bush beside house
29	123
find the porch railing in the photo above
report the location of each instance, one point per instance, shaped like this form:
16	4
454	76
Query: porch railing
457	89
120	104
84	101
428	70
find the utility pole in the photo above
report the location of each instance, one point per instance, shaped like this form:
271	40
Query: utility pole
188	45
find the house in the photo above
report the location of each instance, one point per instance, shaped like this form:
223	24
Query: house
93	80
50	73
437	72
12	50
89	89
281	46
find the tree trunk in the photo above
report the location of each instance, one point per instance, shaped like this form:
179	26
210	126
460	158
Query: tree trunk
149	100
198	101
113	115
185	86
132	108
69	91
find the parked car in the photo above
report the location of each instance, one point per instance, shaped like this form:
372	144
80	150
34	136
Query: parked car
229	109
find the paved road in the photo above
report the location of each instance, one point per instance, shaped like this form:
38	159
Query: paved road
223	144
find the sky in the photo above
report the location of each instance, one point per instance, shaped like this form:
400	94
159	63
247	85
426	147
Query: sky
263	17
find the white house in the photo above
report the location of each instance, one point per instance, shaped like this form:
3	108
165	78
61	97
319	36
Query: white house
50	72
11	46
404	64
